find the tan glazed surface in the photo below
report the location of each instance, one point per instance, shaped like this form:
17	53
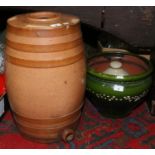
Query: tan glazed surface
45	74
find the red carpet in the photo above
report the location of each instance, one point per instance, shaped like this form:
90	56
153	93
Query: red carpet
135	131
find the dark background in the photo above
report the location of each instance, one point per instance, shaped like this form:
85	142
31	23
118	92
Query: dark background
133	24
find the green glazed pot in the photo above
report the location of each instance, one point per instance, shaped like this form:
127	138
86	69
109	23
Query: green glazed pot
116	95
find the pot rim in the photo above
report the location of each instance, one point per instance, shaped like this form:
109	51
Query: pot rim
126	78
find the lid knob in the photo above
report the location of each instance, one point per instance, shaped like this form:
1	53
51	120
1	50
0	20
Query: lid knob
116	69
115	64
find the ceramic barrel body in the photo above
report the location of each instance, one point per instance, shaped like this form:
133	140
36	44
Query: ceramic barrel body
45	74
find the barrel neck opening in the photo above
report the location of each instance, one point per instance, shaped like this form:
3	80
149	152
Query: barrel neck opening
43	17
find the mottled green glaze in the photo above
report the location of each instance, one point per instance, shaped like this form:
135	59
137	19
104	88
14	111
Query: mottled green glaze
117	97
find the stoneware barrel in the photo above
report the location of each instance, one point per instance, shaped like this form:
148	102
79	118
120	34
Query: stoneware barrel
45	74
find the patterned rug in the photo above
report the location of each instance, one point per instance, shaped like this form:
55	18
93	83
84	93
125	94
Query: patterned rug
94	132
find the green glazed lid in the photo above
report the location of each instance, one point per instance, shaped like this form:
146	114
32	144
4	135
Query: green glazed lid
119	66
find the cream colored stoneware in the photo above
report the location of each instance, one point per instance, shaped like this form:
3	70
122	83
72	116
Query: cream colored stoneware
45	74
